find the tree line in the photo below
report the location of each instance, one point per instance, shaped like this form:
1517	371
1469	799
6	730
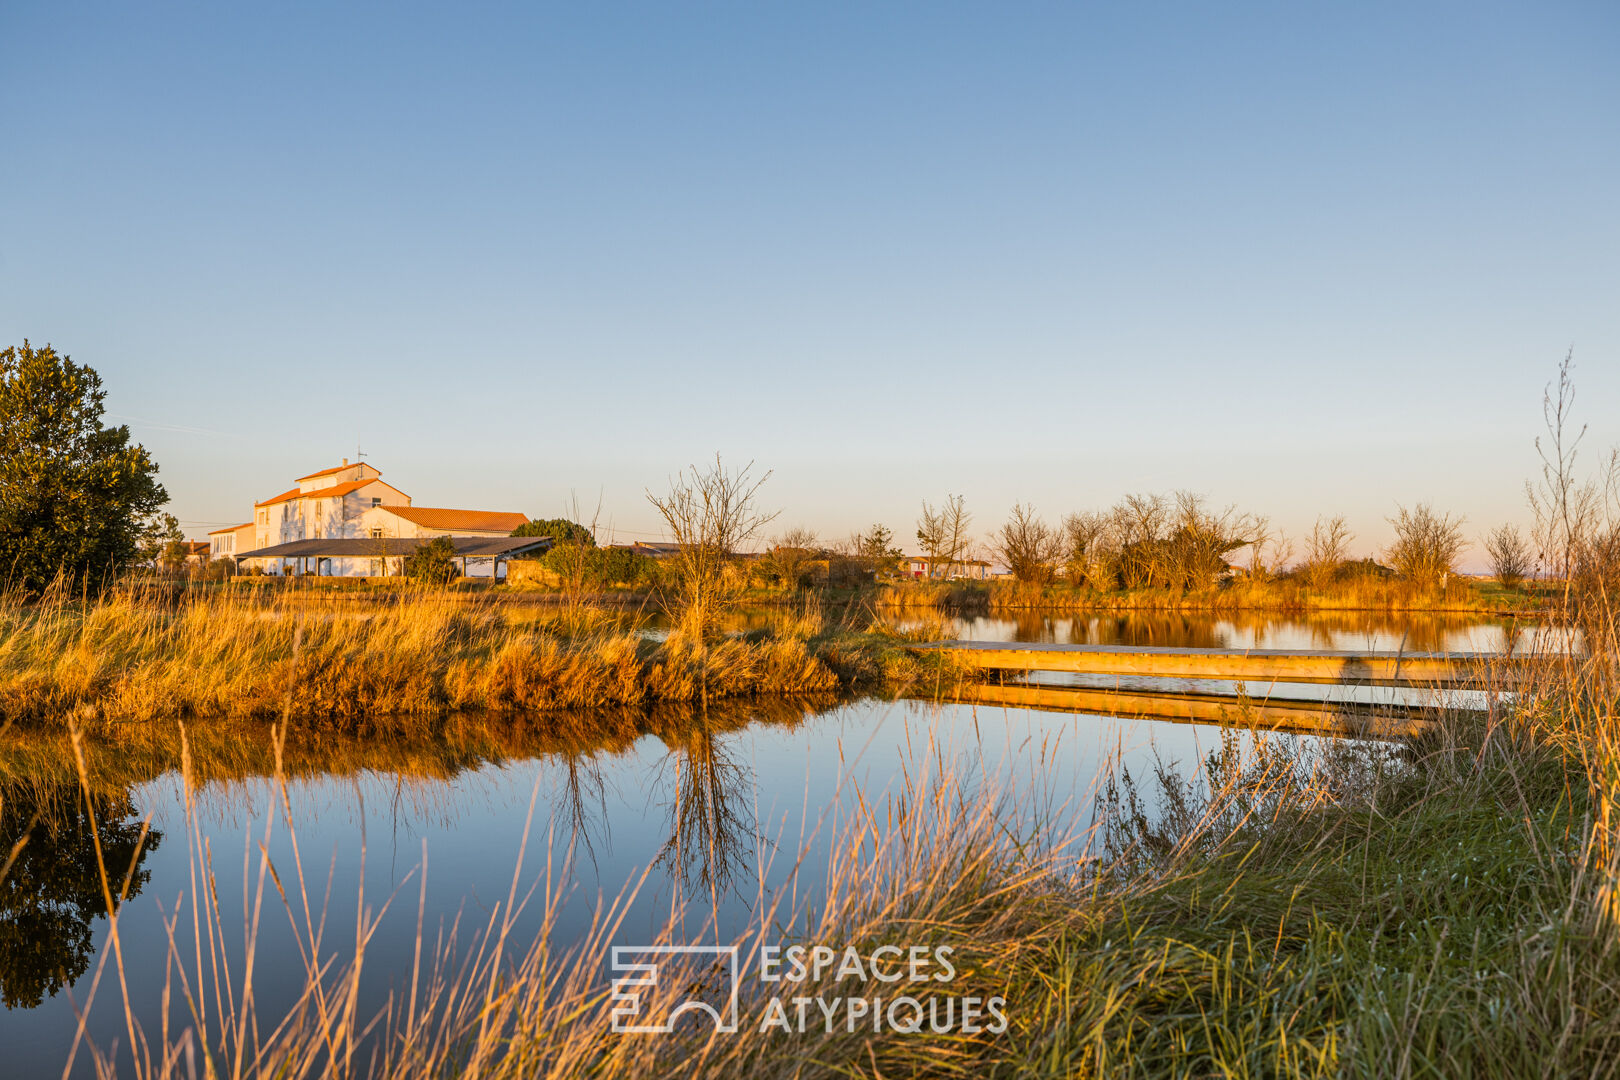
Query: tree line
79	500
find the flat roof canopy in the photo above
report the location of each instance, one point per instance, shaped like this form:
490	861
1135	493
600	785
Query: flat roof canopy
370	547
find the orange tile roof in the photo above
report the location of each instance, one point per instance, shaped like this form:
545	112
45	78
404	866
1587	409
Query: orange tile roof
339	468
322	493
231	528
437	517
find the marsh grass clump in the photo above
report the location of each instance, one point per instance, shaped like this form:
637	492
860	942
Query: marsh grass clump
711	514
419	656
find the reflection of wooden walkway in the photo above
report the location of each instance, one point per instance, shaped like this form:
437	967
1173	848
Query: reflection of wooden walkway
1307	717
1252	665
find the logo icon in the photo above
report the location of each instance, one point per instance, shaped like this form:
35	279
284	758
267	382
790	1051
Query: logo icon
711	989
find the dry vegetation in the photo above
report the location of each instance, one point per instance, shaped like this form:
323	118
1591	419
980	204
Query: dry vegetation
394	660
1176	553
389	666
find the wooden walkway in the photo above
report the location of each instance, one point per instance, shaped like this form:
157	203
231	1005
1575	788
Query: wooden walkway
1248	665
1299	717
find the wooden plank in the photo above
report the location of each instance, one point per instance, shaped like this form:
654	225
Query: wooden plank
1305	717
1260	665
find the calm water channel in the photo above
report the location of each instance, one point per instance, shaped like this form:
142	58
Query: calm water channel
784	776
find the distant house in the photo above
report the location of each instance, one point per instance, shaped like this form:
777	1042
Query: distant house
225	543
353	502
918	566
652	549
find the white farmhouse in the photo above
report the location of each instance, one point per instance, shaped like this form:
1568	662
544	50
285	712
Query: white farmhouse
324	505
352	502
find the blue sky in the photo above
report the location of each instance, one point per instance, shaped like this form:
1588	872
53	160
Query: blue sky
1303	258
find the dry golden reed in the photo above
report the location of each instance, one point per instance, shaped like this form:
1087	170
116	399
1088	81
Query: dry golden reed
423	654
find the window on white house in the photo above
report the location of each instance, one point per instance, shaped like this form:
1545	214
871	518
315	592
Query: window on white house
376	500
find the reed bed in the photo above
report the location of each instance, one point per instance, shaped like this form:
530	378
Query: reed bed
423	655
1285	596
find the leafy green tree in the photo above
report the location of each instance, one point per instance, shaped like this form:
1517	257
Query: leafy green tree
874	552
76	497
433	563
164	545
561	531
622	566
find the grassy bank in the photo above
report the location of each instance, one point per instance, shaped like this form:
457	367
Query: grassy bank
422	655
1290	596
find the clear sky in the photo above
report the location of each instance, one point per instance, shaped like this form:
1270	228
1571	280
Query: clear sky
1300	257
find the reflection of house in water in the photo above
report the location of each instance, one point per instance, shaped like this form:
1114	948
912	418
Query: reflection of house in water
351	502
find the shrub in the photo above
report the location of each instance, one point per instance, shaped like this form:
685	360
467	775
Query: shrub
1426	545
433	563
1326	549
711	513
1509	554
1029	546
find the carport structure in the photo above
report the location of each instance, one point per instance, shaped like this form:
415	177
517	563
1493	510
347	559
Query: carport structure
308	555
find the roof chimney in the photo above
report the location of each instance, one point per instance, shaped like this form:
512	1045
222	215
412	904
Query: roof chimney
345	461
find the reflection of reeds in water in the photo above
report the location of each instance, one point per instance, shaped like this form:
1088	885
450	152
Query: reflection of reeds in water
38	767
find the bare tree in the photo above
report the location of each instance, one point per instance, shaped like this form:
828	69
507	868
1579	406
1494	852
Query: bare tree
1426	545
1029	546
1509	554
1567	510
1139	522
1270	551
577	563
710	514
1194	553
1326	549
943	535
1086	551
